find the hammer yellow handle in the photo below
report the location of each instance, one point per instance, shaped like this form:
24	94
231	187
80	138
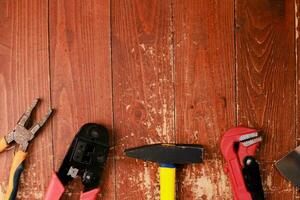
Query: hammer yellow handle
167	182
16	170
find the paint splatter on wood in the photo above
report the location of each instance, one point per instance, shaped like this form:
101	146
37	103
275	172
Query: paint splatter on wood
81	82
205	93
181	71
143	90
266	81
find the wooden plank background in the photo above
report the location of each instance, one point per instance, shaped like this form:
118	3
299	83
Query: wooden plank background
151	71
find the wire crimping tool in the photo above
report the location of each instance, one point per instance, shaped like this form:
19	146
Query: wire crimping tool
21	135
238	146
86	159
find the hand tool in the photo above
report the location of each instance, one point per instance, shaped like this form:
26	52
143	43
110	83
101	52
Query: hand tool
168	156
238	146
21	135
289	166
86	159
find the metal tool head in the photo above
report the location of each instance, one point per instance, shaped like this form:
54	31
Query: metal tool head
247	136
21	134
239	137
250	139
86	156
289	166
168	153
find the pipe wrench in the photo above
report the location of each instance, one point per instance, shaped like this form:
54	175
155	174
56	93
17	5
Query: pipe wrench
238	146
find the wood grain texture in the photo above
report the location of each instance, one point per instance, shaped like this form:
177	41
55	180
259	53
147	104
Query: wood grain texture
297	50
143	90
265	53
205	90
80	77
23	77
181	71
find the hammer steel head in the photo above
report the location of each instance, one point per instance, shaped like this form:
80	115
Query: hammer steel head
168	153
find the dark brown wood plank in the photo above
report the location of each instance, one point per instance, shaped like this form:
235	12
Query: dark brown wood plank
266	72
80	76
24	76
279	195
297	17
273	182
205	90
143	90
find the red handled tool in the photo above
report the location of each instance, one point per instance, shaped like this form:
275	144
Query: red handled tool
86	159
238	147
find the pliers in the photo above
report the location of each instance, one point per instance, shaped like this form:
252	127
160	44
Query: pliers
21	135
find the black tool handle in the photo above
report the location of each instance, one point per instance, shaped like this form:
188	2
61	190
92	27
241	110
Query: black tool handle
16	170
252	178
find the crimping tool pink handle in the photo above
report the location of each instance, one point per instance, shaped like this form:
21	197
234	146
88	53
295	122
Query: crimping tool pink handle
55	188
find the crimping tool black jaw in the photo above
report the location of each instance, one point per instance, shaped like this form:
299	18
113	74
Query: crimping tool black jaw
86	158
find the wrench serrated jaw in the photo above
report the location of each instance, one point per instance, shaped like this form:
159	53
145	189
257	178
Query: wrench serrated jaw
252	141
248	136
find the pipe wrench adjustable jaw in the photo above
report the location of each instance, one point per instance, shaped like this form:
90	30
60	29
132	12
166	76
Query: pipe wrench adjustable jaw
238	146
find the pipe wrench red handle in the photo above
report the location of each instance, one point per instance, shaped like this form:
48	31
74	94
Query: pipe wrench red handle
236	178
238	146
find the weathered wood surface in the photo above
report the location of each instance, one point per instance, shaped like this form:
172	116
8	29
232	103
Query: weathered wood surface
297	16
266	81
143	90
81	89
24	76
151	71
205	94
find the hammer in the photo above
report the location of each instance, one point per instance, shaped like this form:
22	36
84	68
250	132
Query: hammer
168	156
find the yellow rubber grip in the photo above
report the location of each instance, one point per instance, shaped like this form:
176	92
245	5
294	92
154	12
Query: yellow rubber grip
167	183
3	144
16	169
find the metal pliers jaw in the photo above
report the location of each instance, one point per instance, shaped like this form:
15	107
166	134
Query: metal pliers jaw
238	146
21	135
